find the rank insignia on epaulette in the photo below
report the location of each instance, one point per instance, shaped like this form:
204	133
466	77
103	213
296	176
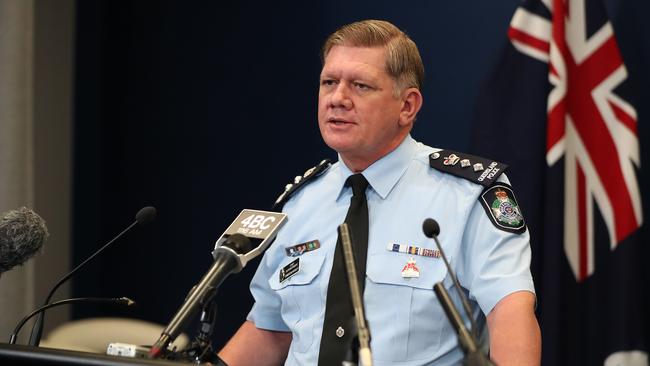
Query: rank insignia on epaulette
484	171
299	181
452	159
502	208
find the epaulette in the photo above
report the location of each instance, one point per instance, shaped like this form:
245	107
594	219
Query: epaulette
299	181
473	168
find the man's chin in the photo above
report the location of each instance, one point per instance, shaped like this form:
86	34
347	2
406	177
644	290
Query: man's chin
341	147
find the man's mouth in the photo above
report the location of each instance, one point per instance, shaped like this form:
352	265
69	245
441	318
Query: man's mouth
338	121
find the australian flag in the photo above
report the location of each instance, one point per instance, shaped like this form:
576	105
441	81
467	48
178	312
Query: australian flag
559	108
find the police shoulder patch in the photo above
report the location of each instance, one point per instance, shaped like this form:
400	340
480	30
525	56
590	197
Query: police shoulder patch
502	208
473	168
299	181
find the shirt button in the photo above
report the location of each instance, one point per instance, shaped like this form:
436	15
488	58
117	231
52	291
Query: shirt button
340	332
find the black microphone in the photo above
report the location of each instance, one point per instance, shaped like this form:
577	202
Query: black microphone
226	262
246	238
473	354
22	234
145	216
432	230
363	333
101	300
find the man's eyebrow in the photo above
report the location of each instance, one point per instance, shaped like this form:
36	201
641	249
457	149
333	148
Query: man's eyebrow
326	72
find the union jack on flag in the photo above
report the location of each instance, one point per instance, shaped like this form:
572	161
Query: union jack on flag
588	123
558	108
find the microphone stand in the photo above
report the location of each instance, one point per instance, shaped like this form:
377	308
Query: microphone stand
201	351
143	217
363	333
100	300
226	263
473	354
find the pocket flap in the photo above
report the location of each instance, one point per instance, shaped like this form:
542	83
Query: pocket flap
387	268
309	266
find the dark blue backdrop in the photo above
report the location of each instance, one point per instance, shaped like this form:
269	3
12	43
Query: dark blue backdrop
203	108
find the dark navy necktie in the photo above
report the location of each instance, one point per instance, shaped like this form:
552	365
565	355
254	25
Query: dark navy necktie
339	327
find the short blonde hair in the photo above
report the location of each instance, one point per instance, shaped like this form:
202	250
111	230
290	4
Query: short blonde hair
403	61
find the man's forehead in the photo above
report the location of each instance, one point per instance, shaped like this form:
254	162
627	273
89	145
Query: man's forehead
355	59
378	52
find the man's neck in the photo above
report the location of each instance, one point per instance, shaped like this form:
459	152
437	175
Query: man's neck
358	164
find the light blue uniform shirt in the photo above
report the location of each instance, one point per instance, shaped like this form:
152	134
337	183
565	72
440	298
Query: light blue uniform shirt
407	324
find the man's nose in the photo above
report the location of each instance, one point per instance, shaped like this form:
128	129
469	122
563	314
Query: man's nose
341	96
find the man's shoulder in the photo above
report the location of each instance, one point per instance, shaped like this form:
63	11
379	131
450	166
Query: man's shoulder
300	181
484	178
476	169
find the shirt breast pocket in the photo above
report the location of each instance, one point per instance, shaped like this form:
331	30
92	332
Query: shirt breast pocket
404	314
302	298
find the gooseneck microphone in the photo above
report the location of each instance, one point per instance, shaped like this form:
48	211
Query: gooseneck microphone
363	333
467	340
431	229
145	216
226	262
99	300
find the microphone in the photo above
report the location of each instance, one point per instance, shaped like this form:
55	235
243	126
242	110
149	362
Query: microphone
466	340
363	333
248	236
225	263
473	354
431	229
22	234
101	300
145	216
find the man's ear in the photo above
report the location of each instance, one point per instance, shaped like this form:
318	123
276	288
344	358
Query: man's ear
411	104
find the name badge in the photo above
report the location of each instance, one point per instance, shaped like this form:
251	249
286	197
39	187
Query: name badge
289	270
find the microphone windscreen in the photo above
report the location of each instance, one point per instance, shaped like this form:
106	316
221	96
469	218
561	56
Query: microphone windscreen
22	234
431	228
239	243
145	215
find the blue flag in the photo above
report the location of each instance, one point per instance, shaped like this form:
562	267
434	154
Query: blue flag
558	109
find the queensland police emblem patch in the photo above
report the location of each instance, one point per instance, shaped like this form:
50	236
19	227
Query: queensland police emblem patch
501	206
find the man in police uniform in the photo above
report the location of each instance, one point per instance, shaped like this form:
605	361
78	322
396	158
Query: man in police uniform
368	100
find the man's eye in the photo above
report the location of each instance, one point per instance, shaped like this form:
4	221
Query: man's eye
328	82
362	86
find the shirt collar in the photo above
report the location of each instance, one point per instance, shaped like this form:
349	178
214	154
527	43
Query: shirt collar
384	173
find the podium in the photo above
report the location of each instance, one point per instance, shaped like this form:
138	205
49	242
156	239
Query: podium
20	355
